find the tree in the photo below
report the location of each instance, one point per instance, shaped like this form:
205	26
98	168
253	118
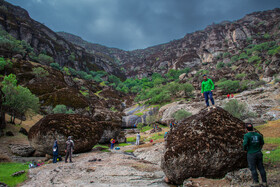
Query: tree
181	114
62	109
17	98
40	72
4	64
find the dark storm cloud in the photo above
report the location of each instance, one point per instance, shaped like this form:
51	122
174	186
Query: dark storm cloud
133	24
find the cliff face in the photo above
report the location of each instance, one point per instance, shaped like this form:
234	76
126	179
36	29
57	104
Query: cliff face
17	22
203	49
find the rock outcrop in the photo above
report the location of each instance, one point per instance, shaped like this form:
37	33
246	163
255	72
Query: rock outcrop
208	144
22	150
85	131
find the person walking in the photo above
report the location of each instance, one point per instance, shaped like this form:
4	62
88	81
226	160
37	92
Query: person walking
138	139
112	143
55	151
253	143
207	87
228	96
69	148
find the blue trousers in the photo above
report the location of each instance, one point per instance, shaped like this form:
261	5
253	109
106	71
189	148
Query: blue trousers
112	146
54	158
255	160
208	95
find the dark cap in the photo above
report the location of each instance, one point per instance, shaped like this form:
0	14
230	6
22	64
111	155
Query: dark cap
204	75
249	126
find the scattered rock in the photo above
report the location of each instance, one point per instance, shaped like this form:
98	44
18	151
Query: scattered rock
9	133
22	150
18	173
86	132
208	144
18	56
3	184
239	177
23	131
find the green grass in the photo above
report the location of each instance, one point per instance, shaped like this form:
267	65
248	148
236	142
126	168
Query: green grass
146	128
129	151
122	144
273	156
103	146
7	169
131	139
156	136
139	114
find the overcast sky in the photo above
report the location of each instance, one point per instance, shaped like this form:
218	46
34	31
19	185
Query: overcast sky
137	24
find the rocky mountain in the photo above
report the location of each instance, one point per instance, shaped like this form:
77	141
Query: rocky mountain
17	22
204	49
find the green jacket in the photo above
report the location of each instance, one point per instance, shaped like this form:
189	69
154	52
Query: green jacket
207	85
252	142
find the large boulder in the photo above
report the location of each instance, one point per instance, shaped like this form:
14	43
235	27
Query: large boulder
208	144
85	131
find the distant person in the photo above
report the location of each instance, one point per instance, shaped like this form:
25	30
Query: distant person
253	143
232	95
228	96
55	151
165	135
113	141
138	139
151	140
69	148
207	87
170	125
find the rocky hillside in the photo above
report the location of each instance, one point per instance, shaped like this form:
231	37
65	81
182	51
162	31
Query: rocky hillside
228	44
17	22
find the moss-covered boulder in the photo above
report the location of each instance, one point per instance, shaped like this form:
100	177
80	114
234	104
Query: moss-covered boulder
85	131
208	144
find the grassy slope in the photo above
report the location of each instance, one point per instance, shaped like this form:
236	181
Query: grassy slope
7	169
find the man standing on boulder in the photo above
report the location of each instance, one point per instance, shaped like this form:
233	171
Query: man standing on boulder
207	87
69	148
253	143
138	139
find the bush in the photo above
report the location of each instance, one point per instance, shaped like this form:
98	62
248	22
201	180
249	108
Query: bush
62	109
188	89
243	56
45	59
40	72
254	59
181	114
274	51
240	76
238	109
5	63
229	86
220	65
226	54
234	58
55	66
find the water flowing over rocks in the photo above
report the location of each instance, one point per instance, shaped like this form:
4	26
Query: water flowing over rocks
208	144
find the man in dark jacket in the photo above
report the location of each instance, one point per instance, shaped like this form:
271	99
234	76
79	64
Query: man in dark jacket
253	143
207	87
55	151
69	148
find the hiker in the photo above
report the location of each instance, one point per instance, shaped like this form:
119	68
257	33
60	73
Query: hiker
207	87
55	151
151	140
228	96
165	135
138	139
171	125
69	148
253	143
112	143
232	95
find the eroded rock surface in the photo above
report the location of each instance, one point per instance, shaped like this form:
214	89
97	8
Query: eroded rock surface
208	144
85	132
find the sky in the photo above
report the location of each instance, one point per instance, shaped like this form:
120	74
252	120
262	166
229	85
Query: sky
137	24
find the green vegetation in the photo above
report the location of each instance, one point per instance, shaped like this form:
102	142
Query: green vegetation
240	76
156	136
62	109
45	59
131	139
140	126
220	65
18	99
7	169
40	72
238	109
254	59
181	114
102	146
139	114
229	86
122	144
4	64
129	151
226	54
55	66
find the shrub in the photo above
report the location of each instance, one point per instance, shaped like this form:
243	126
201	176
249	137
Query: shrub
187	88
220	65
181	114
40	72
238	109
234	58
240	76
226	54
5	63
229	86
254	59
151	119
72	57
45	59
140	126
274	51
243	56
62	109
55	66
